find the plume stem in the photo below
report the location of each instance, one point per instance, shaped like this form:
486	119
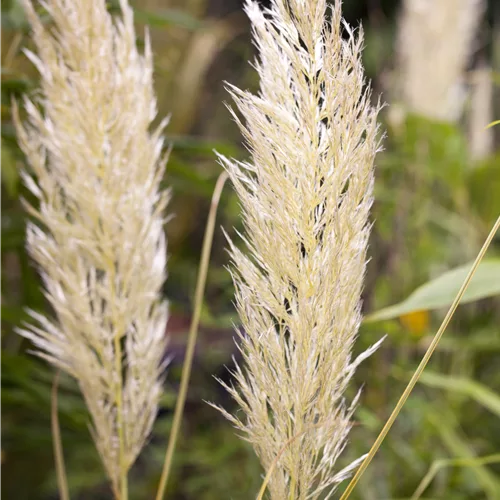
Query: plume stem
193	334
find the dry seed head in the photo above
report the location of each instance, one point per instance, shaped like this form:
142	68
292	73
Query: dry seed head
435	43
481	114
98	238
306	194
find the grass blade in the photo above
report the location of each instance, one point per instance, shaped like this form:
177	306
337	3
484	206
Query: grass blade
193	333
62	481
437	465
421	366
457	444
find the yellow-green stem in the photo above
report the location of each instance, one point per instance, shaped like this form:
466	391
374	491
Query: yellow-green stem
421	366
119	416
122	487
293	483
492	124
293	479
193	333
62	481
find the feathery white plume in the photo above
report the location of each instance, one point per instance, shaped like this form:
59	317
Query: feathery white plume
98	238
306	195
481	114
435	43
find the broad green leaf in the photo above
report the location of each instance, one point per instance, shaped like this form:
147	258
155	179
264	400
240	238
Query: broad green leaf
441	291
480	393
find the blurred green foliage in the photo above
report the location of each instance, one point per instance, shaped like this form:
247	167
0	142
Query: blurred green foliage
434	206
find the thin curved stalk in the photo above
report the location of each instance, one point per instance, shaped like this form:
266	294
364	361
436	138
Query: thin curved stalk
193	333
62	481
421	366
453	462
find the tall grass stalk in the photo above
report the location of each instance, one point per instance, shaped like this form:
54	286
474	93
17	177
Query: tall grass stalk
193	334
416	375
62	480
98	238
306	194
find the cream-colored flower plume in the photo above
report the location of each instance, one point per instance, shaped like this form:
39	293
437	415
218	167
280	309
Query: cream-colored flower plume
435	43
481	114
306	195
98	237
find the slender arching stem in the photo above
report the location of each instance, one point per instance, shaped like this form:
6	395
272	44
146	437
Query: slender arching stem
422	365
193	333
62	481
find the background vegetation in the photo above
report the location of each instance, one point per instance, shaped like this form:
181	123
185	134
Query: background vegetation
435	204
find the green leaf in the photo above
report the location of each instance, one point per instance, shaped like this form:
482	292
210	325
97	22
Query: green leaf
480	393
441	291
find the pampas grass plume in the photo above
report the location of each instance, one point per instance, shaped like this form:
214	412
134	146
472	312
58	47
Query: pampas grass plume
306	194
435	42
97	235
